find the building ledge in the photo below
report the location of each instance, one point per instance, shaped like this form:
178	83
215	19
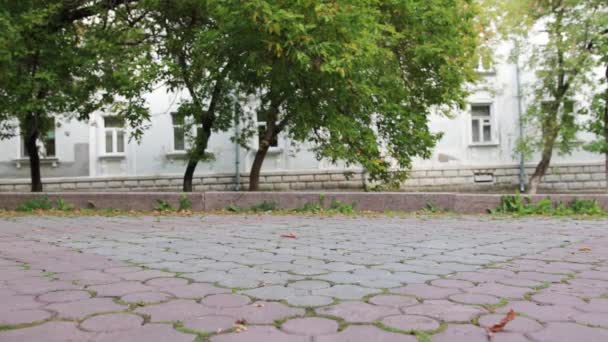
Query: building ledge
176	155
491	144
112	156
20	162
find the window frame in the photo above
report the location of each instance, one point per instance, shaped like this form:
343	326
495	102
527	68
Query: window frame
261	128
114	131
483	121
24	154
191	130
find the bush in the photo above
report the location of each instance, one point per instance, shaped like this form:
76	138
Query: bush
518	205
38	203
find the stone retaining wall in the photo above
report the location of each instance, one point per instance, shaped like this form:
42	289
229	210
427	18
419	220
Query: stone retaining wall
561	178
210	201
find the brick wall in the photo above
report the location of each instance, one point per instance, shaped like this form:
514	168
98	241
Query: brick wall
561	178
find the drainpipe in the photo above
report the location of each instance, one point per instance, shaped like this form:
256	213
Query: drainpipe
237	153
522	172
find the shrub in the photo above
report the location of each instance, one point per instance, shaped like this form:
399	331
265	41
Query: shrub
38	203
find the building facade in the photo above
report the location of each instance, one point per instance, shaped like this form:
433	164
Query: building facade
476	152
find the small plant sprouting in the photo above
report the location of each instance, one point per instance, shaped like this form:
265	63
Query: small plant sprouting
184	203
38	203
163	206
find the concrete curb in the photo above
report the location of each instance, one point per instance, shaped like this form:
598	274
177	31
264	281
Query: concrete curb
209	201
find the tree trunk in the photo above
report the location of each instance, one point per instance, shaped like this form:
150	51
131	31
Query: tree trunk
271	133
32	148
187	186
540	170
256	167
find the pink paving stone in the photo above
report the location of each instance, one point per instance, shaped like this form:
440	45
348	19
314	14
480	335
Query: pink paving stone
262	312
365	333
147	333
425	291
593	275
112	322
89	277
595	305
393	301
452	283
18	274
560	332
358	311
499	290
482	276
310	326
175	310
120	289
210	324
146	297
544	277
445	311
411	322
47	332
83	308
558	299
23	316
518	325
11	303
592	318
64	296
543	313
122	270
167	282
260	333
225	301
462	333
519	282
41	285
195	290
472	298
509	337
145	275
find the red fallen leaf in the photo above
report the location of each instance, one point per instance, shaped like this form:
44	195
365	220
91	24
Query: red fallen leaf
240	322
503	322
289	236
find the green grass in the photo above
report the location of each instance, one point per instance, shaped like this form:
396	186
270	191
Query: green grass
518	205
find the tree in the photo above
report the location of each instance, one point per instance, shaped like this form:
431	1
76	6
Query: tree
196	58
68	58
563	65
356	79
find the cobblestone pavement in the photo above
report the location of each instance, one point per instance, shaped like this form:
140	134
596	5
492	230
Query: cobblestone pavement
234	278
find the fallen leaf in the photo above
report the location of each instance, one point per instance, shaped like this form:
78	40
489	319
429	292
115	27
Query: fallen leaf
585	249
503	322
289	236
259	305
241	322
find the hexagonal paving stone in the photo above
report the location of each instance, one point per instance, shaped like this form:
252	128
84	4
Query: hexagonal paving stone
477	299
47	332
592	318
309	285
595	305
309	301
146	297
167	282
558	332
225	301
260	333
261	312
15	302
64	296
210	323
445	311
393	301
195	290
120	289
271	292
82	308
148	332
357	311
543	313
499	290
425	291
558	299
363	333
345	292
175	310
310	326
411	322
24	316
518	325
452	283
112	322
462	333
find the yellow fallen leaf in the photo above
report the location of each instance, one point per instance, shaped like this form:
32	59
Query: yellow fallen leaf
585	249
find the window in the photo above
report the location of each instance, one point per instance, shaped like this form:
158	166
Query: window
262	124
179	132
481	124
46	144
114	135
184	132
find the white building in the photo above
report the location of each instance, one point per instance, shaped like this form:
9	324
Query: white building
475	153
